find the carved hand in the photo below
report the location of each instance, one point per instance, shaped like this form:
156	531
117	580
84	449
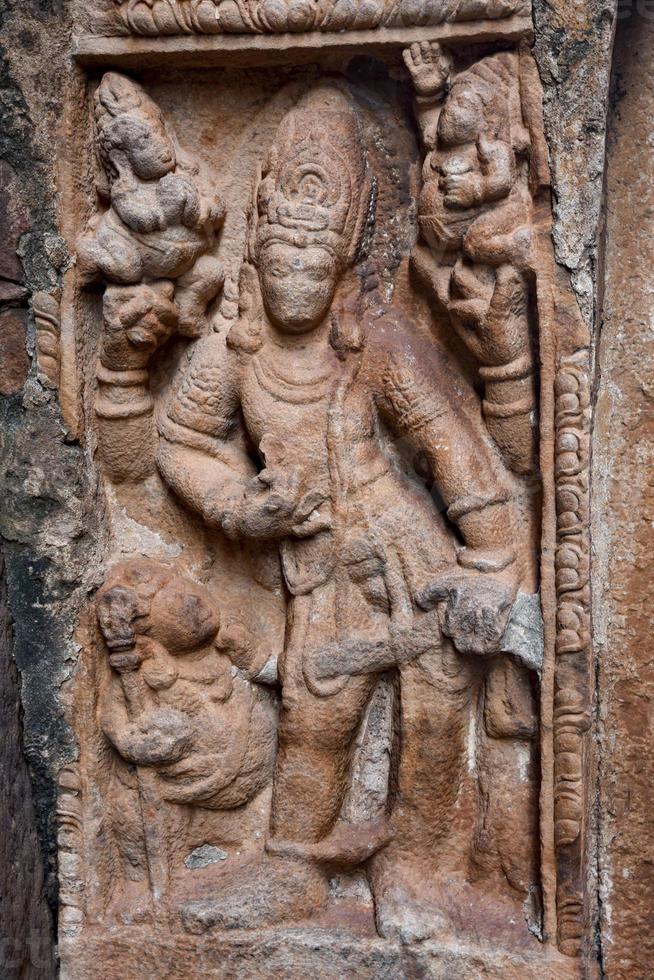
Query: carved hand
428	66
475	611
491	319
284	509
235	640
137	321
180	200
461	190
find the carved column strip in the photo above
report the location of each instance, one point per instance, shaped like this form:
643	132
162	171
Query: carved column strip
573	692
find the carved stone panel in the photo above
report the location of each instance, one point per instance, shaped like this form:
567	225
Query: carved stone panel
333	689
172	17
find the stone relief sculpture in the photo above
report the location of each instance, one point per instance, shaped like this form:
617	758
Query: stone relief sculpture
155	17
159	226
173	709
311	682
361	551
476	222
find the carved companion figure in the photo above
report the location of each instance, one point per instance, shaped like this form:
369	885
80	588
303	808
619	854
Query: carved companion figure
477	257
159	225
179	706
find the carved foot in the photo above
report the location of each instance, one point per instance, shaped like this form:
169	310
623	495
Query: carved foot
348	845
413	906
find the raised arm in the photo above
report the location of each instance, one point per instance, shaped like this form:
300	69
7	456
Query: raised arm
420	399
429	68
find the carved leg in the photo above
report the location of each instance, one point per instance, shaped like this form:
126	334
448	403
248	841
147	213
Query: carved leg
316	735
438	741
195	290
434	798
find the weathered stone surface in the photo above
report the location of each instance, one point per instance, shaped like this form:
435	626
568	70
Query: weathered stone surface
13	223
623	514
41	485
14	360
311	406
573	49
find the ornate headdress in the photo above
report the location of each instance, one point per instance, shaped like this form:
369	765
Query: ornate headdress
316	188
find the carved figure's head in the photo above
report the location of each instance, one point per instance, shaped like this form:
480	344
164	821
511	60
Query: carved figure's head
478	102
145	598
314	205
131	130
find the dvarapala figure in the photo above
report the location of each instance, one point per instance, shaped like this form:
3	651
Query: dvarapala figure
278	435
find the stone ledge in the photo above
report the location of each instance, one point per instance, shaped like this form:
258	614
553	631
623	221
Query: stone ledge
93	51
131	952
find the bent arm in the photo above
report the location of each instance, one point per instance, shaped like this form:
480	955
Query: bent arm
202	453
420	399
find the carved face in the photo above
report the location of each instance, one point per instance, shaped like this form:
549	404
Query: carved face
146	145
297	285
462	118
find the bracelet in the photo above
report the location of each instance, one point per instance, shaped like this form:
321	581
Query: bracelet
487	560
520	367
122	379
106	409
497	410
472	502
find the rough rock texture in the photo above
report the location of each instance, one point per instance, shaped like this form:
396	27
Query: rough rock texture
573	50
25	923
45	526
623	515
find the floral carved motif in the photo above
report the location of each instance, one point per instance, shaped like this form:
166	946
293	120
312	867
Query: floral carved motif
156	17
573	639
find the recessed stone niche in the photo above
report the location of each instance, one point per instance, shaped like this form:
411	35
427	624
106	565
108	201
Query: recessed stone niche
314	683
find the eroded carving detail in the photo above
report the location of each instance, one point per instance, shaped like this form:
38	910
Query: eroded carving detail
191	730
159	226
151	248
476	217
572	697
70	837
155	17
46	317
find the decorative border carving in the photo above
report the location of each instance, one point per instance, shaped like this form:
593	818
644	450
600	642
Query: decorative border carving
69	837
48	330
572	694
153	18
